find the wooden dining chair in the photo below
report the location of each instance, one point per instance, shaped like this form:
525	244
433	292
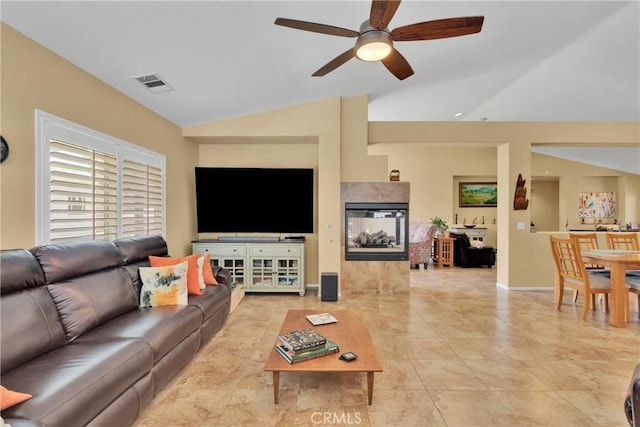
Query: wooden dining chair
633	286
589	242
572	273
628	241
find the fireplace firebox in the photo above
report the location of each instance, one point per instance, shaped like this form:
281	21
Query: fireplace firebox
376	231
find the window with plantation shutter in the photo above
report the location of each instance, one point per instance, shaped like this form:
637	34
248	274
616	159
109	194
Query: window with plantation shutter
141	199
92	186
83	193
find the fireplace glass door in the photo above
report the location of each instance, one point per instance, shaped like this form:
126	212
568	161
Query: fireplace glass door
376	231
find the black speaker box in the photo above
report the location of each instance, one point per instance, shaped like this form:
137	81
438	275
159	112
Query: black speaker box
329	287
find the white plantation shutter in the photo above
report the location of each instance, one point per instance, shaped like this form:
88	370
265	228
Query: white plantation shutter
83	193
141	199
88	187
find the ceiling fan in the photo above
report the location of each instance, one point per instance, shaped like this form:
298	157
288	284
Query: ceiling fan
375	41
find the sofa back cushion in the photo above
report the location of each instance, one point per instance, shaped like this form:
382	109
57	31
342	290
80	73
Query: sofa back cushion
464	240
134	249
29	322
87	283
135	252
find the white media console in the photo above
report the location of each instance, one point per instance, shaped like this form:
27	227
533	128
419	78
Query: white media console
258	264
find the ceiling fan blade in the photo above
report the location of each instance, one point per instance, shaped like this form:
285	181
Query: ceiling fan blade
381	12
398	65
335	62
316	28
439	29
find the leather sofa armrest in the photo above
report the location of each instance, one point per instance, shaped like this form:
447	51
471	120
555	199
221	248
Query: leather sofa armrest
632	399
222	275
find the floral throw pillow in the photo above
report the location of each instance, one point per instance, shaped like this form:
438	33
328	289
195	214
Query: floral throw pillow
165	285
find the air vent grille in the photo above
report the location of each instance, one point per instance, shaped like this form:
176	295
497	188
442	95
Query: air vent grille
154	83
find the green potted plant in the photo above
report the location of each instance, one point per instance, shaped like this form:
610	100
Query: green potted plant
440	223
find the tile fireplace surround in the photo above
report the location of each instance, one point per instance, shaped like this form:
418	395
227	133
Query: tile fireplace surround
380	276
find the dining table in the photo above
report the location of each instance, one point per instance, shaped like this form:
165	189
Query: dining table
618	261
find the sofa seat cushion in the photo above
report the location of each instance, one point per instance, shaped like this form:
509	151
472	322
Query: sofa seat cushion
213	298
161	327
73	383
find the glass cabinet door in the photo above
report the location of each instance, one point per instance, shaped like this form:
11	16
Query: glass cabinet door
262	272
234	265
287	273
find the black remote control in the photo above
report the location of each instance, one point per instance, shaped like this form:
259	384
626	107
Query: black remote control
349	356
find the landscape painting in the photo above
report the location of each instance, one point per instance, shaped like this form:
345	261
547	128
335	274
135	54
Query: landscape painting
478	194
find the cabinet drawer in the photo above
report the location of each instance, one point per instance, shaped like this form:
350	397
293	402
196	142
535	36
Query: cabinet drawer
288	251
221	250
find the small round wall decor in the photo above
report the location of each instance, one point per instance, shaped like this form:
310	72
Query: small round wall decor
4	149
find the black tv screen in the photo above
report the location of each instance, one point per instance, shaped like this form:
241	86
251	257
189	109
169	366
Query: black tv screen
254	200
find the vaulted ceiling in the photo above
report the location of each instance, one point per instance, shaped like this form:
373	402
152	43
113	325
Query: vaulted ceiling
532	61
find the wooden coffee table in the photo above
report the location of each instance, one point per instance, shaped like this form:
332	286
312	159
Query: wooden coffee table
350	333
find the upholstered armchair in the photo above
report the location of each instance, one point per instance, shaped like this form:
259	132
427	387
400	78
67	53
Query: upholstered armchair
467	255
420	242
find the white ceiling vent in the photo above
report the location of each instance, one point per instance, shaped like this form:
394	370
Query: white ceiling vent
154	83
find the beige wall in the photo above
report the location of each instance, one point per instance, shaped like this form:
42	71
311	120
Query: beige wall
334	135
340	133
544	205
434	173
436	164
416	149
318	123
248	153
32	77
575	177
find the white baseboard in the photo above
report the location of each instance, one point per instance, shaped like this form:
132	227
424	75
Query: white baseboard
524	288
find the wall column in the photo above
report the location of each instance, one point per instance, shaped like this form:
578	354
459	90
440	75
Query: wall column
514	158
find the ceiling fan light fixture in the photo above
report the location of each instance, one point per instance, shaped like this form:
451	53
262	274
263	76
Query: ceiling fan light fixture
375	42
373	45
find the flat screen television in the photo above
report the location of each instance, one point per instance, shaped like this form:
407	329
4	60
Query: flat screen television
254	200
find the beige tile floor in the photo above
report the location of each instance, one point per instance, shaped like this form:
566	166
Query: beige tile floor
456	351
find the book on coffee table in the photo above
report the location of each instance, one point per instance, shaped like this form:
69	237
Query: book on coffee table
302	339
292	357
321	319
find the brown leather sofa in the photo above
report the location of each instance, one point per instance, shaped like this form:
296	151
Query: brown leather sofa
632	399
73	337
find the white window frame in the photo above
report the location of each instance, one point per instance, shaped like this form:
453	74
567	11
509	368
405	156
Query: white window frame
49	127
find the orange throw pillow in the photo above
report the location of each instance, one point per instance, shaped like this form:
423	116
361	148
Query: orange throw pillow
207	272
193	286
8	398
